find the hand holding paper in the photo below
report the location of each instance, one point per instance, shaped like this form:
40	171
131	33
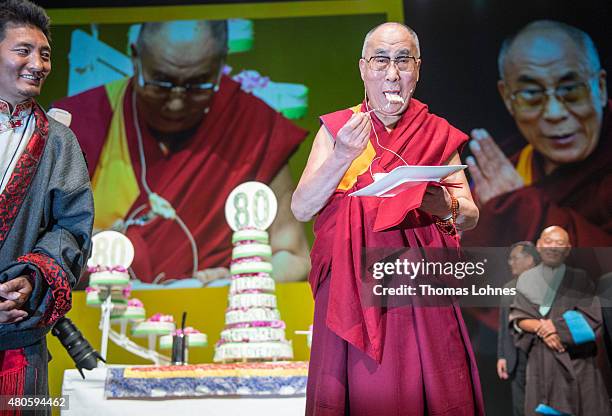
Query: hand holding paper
436	201
406	177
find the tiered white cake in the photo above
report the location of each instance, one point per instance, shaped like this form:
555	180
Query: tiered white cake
253	328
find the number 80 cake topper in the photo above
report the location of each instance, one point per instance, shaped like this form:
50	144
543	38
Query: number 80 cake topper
111	249
251	205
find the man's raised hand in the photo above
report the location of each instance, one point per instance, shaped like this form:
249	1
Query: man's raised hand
353	137
491	170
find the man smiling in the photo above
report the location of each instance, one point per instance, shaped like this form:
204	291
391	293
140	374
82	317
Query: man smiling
554	87
557	319
46	207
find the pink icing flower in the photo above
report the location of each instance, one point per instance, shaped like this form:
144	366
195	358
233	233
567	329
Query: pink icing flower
127	291
253	291
90	289
259	324
189	330
247	260
245	242
99	268
251	80
136	303
158	317
241	275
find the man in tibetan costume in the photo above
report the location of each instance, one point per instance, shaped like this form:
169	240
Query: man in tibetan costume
557	318
370	360
183	131
46	205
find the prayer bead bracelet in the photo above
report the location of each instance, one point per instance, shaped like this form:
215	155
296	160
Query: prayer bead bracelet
447	225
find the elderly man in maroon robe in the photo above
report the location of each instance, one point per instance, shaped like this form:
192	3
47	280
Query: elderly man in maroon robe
183	131
554	87
552	84
367	359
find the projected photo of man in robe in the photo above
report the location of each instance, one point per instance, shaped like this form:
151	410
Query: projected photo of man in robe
166	146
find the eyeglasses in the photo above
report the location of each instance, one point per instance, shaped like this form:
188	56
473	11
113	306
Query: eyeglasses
403	63
531	101
162	89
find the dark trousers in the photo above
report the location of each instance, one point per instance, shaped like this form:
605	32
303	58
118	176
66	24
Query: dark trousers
517	382
36	381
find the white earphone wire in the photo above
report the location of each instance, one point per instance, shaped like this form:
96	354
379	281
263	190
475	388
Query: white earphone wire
377	139
143	179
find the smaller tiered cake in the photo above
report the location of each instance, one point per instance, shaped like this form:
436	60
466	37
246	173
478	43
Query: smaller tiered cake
158	324
194	338
108	276
96	295
93	297
134	312
253	328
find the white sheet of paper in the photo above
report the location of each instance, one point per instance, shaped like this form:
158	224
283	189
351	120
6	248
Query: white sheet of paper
403	177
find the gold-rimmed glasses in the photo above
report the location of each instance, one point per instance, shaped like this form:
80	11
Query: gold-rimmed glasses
404	63
531	100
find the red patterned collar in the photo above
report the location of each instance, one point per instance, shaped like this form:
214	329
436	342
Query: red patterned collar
11	120
15	190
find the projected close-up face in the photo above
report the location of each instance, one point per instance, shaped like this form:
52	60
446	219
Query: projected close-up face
178	71
390	66
25	62
555	95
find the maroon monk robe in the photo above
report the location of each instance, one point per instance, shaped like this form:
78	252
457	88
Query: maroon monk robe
577	197
239	140
369	360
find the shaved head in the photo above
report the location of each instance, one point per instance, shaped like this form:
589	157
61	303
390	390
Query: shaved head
181	36
546	34
392	26
557	232
391	41
180	53
554	246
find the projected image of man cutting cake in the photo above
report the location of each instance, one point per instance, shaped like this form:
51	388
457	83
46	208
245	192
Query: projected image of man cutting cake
166	146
